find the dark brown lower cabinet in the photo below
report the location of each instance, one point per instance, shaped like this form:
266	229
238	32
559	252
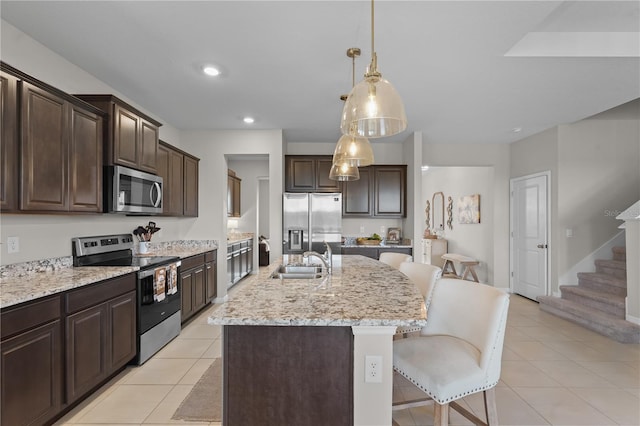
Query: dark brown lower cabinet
193	291
31	363
299	376
211	275
186	295
122	321
42	376
100	333
86	350
374	252
198	279
31	376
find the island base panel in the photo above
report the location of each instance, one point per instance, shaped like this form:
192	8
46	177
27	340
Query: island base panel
288	375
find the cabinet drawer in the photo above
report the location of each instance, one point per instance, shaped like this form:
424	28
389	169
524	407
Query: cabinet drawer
19	319
192	262
211	256
94	294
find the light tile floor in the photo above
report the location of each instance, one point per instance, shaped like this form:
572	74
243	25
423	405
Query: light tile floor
553	372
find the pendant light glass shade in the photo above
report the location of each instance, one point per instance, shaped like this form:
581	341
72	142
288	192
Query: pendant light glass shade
373	109
343	171
356	151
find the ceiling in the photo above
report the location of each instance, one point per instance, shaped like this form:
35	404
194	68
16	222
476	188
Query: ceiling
468	71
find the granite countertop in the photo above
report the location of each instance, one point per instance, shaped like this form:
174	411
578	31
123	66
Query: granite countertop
28	281
360	292
378	246
236	238
36	284
182	249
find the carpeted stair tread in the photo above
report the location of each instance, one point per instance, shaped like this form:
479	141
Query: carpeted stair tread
593	319
606	302
617	268
603	282
619	253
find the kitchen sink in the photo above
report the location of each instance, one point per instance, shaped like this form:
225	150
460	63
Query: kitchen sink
298	272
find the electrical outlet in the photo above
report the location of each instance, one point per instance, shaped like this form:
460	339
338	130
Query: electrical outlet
362	229
13	244
373	369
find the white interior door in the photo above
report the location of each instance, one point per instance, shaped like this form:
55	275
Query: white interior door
529	236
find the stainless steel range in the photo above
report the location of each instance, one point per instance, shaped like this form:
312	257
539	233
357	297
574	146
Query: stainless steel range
158	287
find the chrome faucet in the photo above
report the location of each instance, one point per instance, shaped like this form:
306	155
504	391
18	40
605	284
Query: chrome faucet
325	258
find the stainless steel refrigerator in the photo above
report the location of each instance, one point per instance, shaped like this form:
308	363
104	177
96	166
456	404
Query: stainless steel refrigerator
308	220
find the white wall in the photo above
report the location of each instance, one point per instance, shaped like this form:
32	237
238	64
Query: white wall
473	240
595	174
212	147
632	232
33	58
598	177
249	170
412	157
263	208
535	154
44	236
384	153
489	155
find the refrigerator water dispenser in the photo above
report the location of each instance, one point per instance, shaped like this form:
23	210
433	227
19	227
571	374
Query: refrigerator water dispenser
295	239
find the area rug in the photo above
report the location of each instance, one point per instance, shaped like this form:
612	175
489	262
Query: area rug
204	402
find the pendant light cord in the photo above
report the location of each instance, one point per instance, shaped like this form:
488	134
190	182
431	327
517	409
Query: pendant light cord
373	68
353	70
372	31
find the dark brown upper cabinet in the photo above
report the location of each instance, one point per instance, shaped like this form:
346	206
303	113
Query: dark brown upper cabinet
52	148
85	161
390	191
9	143
191	179
179	172
234	186
309	173
381	191
357	195
131	138
61	161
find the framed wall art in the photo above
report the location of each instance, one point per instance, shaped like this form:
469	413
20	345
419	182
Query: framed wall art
469	209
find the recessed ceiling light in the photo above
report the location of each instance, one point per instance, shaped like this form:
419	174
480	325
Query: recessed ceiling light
516	129
424	168
212	71
248	120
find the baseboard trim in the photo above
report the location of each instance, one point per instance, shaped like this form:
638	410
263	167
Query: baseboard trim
633	320
221	299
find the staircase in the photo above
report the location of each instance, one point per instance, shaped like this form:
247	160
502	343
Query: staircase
597	302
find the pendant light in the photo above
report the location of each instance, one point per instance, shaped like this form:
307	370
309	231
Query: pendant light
341	170
373	108
355	150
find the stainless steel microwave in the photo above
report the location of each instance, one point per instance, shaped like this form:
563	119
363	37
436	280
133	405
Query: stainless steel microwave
132	191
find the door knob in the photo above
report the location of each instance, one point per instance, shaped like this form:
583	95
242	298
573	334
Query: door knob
542	246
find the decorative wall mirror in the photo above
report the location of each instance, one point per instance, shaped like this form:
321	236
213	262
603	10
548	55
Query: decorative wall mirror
437	206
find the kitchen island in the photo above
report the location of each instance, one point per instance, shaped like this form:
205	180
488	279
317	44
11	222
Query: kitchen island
294	349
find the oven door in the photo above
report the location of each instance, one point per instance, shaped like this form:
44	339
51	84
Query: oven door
158	295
